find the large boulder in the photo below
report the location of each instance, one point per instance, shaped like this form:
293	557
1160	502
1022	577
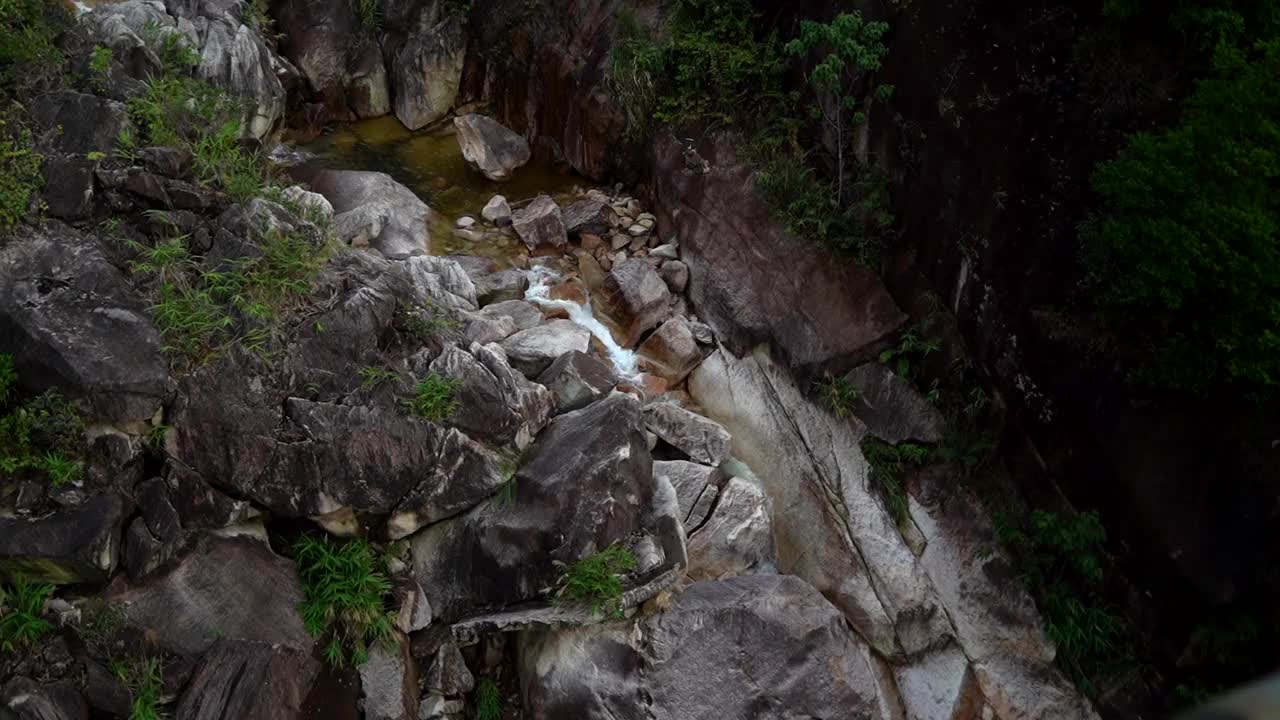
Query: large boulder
373	209
340	64
532	351
891	408
24	699
820	311
539	224
232	588
494	150
584	485
592	214
637	298
427	71
248	680
80	544
698	438
737	538
832	528
495	403
671	351
71	320
389	683
77	123
696	488
766	647
577	380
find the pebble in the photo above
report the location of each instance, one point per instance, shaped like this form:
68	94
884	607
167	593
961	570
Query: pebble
619	241
637	243
637	230
666	251
465	222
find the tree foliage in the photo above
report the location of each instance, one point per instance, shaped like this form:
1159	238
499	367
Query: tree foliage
1185	256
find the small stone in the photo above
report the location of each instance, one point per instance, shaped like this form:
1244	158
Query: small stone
624	221
619	241
646	223
497	211
646	218
465	222
637	230
668	250
634	208
676	275
637	243
590	241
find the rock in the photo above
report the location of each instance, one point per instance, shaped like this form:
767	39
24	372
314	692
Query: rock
637	298
338	63
676	275
618	241
80	544
68	186
426	73
465	222
501	286
105	692
189	607
497	211
691	482
669	251
539	223
525	314
248	680
758	646
671	351
373	209
306	201
636	231
891	408
483	329
996	622
414	610
462	474
590	215
24	699
71	320
738	537
170	162
438	707
441	284
577	380
590	242
532	351
495	404
585	484
702	440
79	124
702	332
389	683
940	685
494	150
734	249
835	531
448	673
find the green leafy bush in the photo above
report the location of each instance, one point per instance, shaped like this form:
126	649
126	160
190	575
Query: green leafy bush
434	398
1060	558
596	581
1185	255
20	177
39	438
29	57
888	463
345	596
21	614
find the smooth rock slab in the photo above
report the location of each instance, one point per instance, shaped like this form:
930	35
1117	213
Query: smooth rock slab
427	72
701	439
532	351
389	683
494	150
760	647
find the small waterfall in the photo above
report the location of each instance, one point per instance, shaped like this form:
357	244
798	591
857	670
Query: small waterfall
539	293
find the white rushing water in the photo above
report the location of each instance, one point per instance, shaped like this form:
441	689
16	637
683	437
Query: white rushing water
539	293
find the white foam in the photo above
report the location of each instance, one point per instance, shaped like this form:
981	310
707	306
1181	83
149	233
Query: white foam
539	293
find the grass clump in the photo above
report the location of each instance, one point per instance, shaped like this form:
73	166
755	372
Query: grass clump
488	700
41	437
1060	559
840	395
29	56
373	377
426	321
596	581
888	463
144	678
345	595
434	398
21	614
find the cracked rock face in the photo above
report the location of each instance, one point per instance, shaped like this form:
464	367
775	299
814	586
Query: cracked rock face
760	646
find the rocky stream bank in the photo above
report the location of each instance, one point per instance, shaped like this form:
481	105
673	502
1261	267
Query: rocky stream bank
622	371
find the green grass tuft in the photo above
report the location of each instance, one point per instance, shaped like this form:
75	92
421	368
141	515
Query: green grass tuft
41	437
21	610
596	581
888	462
488	700
373	377
839	395
434	398
345	595
144	678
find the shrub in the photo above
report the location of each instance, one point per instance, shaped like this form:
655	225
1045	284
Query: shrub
488	700
888	462
29	57
41	437
344	596
1060	560
1184	256
20	177
839	394
145	681
596	581
8	378
21	611
433	398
